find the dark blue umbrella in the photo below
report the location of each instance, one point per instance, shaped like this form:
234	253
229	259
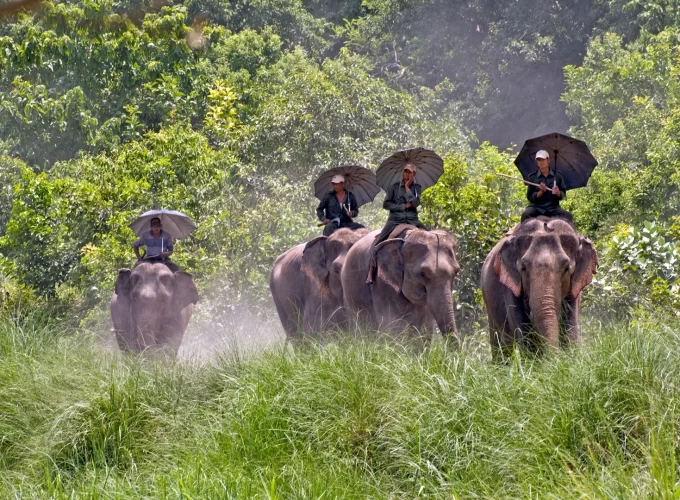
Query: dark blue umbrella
568	156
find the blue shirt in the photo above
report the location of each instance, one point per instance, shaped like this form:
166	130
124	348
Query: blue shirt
154	246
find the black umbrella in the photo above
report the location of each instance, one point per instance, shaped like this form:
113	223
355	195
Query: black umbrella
359	180
568	156
429	167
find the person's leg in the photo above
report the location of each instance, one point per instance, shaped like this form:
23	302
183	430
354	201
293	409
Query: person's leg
330	228
172	266
353	226
531	211
560	213
384	234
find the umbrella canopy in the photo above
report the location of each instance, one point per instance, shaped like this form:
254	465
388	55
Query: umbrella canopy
568	156
176	224
359	180
428	164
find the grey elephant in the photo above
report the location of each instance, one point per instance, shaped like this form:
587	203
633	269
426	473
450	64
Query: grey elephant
413	284
305	283
532	282
151	307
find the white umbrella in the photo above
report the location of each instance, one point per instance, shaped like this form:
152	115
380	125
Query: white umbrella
359	180
429	167
176	224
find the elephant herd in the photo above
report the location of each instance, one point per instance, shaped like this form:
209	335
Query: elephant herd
531	284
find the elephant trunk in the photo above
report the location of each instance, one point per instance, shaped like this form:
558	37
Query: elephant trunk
545	311
441	306
147	318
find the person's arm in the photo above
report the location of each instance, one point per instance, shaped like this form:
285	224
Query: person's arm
136	246
531	193
411	196
390	204
170	247
353	206
560	185
321	208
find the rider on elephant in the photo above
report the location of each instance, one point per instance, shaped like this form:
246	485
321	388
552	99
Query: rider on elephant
402	201
338	208
544	200
158	244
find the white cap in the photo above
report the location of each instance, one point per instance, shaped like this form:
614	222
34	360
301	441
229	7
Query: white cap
542	154
410	166
337	179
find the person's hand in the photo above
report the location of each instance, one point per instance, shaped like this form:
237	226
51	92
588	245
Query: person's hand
543	187
556	191
408	205
408	183
326	221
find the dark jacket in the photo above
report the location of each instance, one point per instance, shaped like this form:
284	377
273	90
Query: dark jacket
548	199
396	200
333	210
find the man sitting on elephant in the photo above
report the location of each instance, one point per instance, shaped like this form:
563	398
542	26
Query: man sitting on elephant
402	200
542	199
338	208
159	246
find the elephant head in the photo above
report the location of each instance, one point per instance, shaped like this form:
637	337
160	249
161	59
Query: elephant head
151	307
324	256
421	267
544	262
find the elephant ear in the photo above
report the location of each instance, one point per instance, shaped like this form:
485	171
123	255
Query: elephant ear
123	283
314	259
185	291
505	266
389	261
586	266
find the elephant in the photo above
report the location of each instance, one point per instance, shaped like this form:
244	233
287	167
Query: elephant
413	284
151	307
305	283
531	283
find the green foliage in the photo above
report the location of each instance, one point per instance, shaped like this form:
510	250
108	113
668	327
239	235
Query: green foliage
307	117
10	174
72	82
638	271
626	99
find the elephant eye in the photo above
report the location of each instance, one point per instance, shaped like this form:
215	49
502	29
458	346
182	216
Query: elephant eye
423	275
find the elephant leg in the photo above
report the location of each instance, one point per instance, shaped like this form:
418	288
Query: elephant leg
123	325
571	312
513	330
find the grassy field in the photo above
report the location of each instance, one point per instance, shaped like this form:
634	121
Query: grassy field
353	419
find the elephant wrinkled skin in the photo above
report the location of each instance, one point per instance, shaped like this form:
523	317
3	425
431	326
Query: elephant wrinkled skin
532	281
305	283
151	307
413	284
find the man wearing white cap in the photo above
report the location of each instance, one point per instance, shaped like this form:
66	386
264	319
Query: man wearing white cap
544	199
338	208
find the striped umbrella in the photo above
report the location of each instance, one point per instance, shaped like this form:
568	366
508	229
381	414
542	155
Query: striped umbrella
429	167
176	224
359	180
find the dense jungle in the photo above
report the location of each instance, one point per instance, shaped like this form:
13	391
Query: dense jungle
228	110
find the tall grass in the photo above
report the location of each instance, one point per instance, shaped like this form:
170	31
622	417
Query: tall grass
346	419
